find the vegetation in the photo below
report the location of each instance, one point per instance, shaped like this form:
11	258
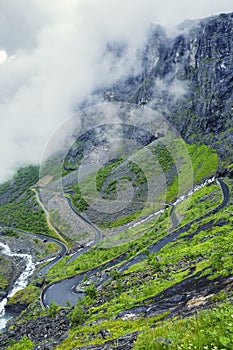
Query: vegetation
105	172
133	240
204	250
25	296
53	310
212	329
23	344
5	272
100	254
19	208
203	159
208	252
78	201
23	179
195	333
77	316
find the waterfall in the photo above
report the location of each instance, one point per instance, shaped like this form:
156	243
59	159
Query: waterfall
19	284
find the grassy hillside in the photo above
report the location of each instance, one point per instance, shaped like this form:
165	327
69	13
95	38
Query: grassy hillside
175	167
204	255
195	269
169	299
19	208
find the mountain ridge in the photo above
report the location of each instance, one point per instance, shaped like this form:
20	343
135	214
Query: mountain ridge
188	78
202	60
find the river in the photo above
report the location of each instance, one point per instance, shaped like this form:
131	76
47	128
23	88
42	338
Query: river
19	284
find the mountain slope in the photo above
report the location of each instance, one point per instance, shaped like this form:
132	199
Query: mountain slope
139	289
189	79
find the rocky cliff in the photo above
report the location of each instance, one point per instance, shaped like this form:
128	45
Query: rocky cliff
188	77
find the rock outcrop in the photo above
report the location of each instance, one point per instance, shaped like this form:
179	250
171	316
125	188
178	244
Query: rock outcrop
189	79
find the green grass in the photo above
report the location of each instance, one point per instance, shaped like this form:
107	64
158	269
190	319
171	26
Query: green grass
207	253
208	330
5	272
25	296
20	209
23	179
24	344
105	172
141	236
122	300
84	335
101	254
201	202
204	160
195	164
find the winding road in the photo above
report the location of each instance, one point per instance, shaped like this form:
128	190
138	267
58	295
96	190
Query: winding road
64	291
43	237
97	230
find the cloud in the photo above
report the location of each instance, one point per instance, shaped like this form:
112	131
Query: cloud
3	56
54	54
175	88
170	13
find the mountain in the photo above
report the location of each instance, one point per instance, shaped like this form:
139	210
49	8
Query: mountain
134	279
188	77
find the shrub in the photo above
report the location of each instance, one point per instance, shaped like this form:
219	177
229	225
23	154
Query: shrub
77	316
23	344
91	291
53	309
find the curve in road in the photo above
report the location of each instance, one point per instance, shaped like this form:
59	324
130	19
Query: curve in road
64	291
63	251
97	230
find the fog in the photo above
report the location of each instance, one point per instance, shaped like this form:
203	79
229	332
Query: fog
53	56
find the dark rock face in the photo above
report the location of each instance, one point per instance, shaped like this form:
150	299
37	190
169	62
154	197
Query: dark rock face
11	268
3	294
87	142
207	63
183	298
189	79
15	309
125	342
45	330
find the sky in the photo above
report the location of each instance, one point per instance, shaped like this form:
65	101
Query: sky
53	56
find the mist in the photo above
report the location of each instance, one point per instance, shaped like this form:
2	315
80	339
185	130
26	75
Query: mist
53	56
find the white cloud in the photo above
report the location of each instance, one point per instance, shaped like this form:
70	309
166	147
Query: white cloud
170	13
3	56
58	49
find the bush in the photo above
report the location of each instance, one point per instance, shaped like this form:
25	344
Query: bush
23	344
53	309
77	316
91	291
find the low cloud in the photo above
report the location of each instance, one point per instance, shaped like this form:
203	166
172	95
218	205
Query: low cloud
176	88
53	55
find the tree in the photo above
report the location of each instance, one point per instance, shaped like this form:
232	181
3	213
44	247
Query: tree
53	309
77	315
91	291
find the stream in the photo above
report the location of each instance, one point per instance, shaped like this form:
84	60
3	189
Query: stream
19	284
22	281
178	200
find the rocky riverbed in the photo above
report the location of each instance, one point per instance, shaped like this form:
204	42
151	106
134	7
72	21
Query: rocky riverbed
20	243
11	268
47	330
